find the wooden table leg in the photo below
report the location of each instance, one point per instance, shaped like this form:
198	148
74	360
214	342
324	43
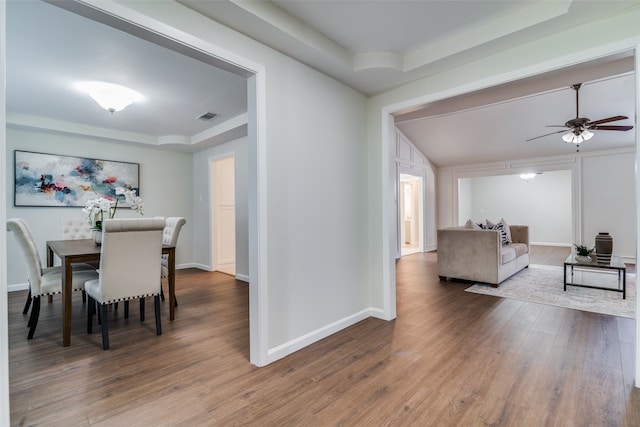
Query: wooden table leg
49	257
50	264
67	275
172	283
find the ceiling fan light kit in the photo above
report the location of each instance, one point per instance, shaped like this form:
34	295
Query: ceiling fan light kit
577	137
580	128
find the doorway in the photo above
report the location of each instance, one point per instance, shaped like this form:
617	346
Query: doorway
411	214
223	215
255	201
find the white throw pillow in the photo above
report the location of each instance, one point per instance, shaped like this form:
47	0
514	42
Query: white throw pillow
472	225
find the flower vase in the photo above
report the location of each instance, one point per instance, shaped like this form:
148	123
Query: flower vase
604	248
97	237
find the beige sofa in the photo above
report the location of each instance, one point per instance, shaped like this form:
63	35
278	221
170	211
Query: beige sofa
479	255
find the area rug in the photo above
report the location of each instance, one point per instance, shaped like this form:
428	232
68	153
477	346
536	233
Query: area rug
543	284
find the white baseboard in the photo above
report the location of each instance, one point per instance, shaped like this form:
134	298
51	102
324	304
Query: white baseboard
18	287
201	267
629	260
242	278
187	265
296	344
378	313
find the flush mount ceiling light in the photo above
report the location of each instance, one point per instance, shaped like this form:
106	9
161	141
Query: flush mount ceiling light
110	96
528	176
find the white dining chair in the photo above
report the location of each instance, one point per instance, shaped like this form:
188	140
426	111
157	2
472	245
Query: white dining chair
130	261
43	281
170	236
75	228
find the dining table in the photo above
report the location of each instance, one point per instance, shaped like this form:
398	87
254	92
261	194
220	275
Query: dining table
83	250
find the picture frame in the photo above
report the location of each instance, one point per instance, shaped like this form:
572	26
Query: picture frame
53	180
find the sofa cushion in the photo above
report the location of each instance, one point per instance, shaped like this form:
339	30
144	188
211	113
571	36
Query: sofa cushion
520	248
510	252
507	253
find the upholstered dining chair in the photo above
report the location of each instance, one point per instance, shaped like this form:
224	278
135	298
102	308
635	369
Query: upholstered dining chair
170	237
43	281
130	259
76	228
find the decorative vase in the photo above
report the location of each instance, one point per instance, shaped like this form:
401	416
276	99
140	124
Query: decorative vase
604	248
97	237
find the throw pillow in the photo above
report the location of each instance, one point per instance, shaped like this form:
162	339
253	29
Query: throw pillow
507	230
472	225
505	237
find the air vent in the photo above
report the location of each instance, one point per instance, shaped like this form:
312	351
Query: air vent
207	116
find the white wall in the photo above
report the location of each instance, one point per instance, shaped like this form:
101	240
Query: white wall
465	201
201	206
543	203
312	150
609	201
317	209
165	188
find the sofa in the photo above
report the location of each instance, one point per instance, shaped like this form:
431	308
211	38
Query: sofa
479	255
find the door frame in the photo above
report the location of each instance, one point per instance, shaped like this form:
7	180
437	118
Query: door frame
421	175
146	26
388	191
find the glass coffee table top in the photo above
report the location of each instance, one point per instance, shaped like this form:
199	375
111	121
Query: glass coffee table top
615	262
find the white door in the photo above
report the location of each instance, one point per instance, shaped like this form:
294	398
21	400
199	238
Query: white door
225	216
411	214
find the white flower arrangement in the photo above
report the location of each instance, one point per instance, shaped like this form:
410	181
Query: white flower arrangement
95	209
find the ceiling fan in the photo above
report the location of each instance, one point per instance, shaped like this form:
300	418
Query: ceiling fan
580	128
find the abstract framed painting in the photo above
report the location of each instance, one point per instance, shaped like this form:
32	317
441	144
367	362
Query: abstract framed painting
53	180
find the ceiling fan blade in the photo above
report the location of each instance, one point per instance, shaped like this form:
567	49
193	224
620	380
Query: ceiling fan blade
542	136
556	126
608	127
607	120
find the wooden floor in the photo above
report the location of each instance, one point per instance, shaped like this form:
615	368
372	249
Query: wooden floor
450	358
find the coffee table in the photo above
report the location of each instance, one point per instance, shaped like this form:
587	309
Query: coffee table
616	264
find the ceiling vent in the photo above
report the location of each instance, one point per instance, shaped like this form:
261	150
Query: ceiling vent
207	116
